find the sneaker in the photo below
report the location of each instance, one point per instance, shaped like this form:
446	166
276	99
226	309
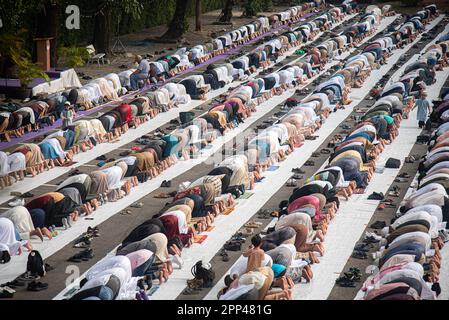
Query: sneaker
298	170
5	293
370	239
292	183
87	254
37	286
364	247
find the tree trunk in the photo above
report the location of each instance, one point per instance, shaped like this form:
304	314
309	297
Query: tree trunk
178	25
198	15
226	13
249	9
47	27
102	28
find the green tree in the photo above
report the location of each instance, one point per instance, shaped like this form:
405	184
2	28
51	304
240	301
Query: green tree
252	7
13	48
249	9
178	25
103	19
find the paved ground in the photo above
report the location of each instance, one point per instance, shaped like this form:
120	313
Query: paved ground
222	268
341	293
114	229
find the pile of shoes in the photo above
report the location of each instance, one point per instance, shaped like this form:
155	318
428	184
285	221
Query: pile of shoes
7	290
204	277
349	278
361	250
36	269
235	244
84	242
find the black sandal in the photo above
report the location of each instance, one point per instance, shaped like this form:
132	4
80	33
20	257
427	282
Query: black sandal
37	286
225	257
359	255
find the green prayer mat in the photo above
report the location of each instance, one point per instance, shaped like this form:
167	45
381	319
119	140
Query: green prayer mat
246	195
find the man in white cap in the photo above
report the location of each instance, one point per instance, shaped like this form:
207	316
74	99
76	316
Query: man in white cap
141	73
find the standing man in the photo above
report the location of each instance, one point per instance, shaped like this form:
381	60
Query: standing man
424	109
140	74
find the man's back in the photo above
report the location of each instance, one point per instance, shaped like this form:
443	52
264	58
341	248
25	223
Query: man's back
144	66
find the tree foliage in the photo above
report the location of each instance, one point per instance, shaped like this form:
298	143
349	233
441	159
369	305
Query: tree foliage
13	48
73	56
226	12
127	16
252	7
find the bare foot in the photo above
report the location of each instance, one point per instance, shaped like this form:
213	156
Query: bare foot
47	233
37	232
28	246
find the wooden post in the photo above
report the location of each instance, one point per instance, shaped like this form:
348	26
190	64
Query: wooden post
44	52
